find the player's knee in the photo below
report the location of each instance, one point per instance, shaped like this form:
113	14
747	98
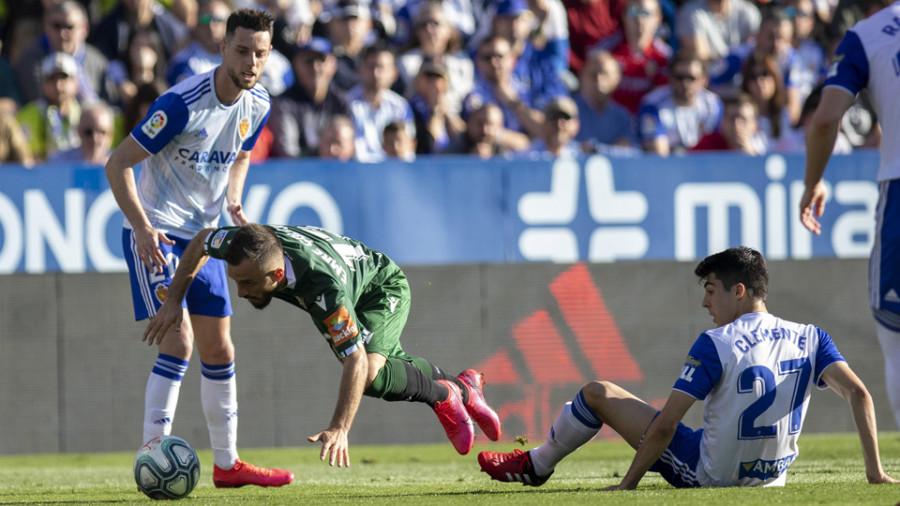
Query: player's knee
596	392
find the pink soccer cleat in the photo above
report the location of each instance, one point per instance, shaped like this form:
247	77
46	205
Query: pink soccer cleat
478	409
247	474
453	416
511	467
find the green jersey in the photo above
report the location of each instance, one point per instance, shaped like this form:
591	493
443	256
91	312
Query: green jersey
351	291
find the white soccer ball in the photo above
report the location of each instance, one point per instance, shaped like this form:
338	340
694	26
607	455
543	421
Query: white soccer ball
166	467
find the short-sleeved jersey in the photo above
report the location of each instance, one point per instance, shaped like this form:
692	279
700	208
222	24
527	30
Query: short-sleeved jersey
328	275
683	126
193	139
867	57
754	376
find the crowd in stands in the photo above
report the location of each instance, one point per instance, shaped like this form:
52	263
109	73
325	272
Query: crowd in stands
370	80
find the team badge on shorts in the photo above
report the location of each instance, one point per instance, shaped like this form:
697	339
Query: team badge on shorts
160	293
244	127
341	326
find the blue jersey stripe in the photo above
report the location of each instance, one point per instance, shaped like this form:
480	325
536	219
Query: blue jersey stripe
196	96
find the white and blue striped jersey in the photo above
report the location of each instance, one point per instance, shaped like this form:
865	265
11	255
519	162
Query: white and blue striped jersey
193	140
869	57
683	126
370	122
754	377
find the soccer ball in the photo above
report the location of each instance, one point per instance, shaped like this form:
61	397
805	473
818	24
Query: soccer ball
166	467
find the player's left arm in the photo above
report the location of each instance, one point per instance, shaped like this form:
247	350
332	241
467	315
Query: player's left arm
657	438
237	174
840	378
335	439
171	314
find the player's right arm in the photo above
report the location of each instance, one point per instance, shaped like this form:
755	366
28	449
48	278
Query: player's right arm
171	314
120	173
840	378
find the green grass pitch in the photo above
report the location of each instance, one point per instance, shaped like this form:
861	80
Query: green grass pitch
828	471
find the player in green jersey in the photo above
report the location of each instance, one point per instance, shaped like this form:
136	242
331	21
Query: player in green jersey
359	300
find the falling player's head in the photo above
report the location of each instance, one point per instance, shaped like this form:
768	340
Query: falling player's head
245	50
256	263
735	282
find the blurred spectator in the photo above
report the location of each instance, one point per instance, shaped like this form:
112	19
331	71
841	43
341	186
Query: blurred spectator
603	122
550	34
739	130
433	36
374	105
559	131
762	80
397	143
338	140
293	21
10	98
809	66
483	135
458	12
301	112
773	40
14	146
50	122
589	22
112	33
673	118
436	123
496	83
95	131
712	28
350	31
140	104
643	57
203	53
514	21
793	140
65	29
139	65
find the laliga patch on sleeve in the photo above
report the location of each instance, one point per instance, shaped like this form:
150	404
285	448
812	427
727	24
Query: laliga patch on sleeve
154	125
341	326
218	239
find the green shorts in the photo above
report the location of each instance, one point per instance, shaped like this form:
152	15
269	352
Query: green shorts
383	311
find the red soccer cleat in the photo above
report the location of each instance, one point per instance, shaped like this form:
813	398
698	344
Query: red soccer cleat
478	409
247	474
511	467
452	415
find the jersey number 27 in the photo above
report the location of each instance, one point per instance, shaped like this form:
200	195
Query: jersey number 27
800	369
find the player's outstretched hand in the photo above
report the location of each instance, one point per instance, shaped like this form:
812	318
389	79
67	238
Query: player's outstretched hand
169	316
883	479
335	444
147	241
812	205
236	212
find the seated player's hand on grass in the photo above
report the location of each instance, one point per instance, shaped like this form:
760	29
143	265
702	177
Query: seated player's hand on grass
883	479
169	316
335	444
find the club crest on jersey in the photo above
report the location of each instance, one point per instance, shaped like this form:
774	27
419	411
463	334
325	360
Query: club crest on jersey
160	292
244	127
341	326
154	125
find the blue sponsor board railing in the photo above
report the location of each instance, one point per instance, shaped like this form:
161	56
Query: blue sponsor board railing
447	210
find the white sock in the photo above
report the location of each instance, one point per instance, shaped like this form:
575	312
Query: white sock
576	425
218	394
161	395
890	346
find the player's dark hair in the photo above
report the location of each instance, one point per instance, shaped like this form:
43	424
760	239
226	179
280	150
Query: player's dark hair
737	265
256	242
252	19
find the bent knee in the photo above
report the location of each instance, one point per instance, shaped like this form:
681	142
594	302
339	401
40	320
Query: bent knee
596	391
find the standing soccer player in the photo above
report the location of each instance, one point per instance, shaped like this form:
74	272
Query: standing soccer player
867	58
195	147
754	373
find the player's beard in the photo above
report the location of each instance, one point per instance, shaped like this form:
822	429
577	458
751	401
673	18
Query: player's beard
238	81
262	301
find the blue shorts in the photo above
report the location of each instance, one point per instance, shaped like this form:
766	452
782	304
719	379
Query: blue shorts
884	263
678	463
207	295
